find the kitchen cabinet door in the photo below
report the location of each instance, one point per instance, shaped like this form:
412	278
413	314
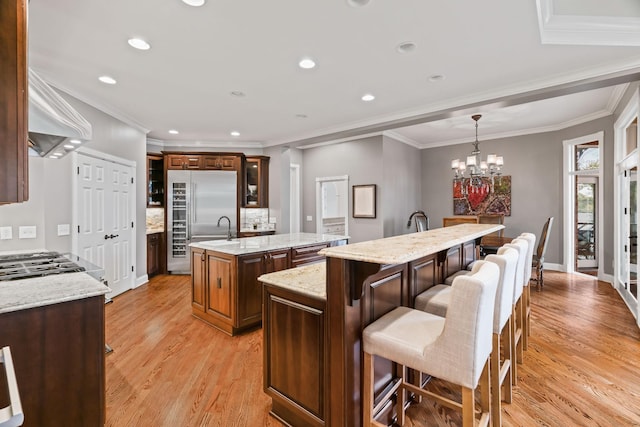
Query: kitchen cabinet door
256	182
183	161
155	181
13	102
219	162
220	292
198	278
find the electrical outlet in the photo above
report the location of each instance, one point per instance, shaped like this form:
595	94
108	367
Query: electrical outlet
27	232
6	233
64	229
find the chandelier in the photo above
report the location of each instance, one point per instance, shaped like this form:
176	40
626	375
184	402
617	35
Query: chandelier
476	168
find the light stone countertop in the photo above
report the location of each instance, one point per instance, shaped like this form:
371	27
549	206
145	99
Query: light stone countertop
40	291
155	229
248	245
409	247
310	280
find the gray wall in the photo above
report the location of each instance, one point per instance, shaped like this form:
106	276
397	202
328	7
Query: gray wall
51	180
535	165
402	187
362	161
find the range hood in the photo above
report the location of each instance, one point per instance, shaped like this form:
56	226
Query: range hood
55	127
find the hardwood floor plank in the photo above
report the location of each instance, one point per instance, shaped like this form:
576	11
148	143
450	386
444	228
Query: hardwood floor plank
170	369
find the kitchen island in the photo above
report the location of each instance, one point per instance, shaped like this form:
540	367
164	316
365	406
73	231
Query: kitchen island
225	289
314	317
55	328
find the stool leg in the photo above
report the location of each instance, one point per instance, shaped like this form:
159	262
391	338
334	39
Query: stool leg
507	381
367	392
525	321
468	407
496	398
514	368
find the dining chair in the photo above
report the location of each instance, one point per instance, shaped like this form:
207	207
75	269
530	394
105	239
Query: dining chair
486	249
460	219
538	257
454	348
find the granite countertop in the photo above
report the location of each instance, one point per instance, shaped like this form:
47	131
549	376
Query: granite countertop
40	291
154	230
310	280
248	245
409	247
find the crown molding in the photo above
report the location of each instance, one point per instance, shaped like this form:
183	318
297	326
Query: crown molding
401	138
586	30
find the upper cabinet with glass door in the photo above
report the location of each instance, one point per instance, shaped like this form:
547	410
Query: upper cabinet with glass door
256	182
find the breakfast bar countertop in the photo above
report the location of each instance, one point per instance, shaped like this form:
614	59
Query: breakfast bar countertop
409	247
40	291
310	280
248	245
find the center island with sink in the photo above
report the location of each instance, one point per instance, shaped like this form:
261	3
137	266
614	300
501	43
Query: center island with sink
225	289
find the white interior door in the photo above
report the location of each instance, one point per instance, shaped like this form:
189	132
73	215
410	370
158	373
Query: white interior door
105	211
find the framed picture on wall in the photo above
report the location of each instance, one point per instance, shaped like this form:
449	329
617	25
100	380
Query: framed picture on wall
364	201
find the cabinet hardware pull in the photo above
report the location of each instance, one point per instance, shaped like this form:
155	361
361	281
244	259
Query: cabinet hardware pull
202	256
219	282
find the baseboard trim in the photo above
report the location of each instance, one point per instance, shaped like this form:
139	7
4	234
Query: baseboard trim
141	281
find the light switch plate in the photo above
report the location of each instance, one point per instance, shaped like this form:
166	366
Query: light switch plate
6	233
309	218
64	229
27	232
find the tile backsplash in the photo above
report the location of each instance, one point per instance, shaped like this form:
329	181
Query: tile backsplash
155	219
257	216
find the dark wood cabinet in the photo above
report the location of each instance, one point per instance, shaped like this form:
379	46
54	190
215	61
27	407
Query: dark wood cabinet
205	161
183	161
304	255
198	278
221	162
14	186
155	254
295	341
220	289
256	188
155	181
59	359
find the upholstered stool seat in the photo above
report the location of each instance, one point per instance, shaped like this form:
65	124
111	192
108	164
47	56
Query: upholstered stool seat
455	348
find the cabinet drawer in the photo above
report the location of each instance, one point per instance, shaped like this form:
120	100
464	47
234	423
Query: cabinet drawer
307	254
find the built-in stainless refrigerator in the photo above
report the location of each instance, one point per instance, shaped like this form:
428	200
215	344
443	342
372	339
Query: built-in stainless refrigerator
195	202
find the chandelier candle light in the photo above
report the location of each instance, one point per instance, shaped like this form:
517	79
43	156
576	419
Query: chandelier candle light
476	167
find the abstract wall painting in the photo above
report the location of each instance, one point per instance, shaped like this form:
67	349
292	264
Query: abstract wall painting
492	197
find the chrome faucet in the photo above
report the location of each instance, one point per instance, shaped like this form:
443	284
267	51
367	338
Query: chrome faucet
419	225
229	225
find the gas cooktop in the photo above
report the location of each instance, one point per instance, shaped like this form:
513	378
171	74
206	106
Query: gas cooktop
36	264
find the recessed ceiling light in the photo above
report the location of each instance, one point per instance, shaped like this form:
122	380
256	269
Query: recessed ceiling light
307	63
58	154
357	3
68	146
75	141
436	78
139	44
235	133
301	116
53	157
406	47
173	132
195	3
238	94
368	97
107	79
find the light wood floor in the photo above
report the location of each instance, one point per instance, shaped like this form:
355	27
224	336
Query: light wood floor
170	369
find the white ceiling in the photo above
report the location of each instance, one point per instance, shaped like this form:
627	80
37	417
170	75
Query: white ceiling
490	54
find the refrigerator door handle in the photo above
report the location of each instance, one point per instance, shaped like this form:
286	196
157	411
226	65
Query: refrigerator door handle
193	203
